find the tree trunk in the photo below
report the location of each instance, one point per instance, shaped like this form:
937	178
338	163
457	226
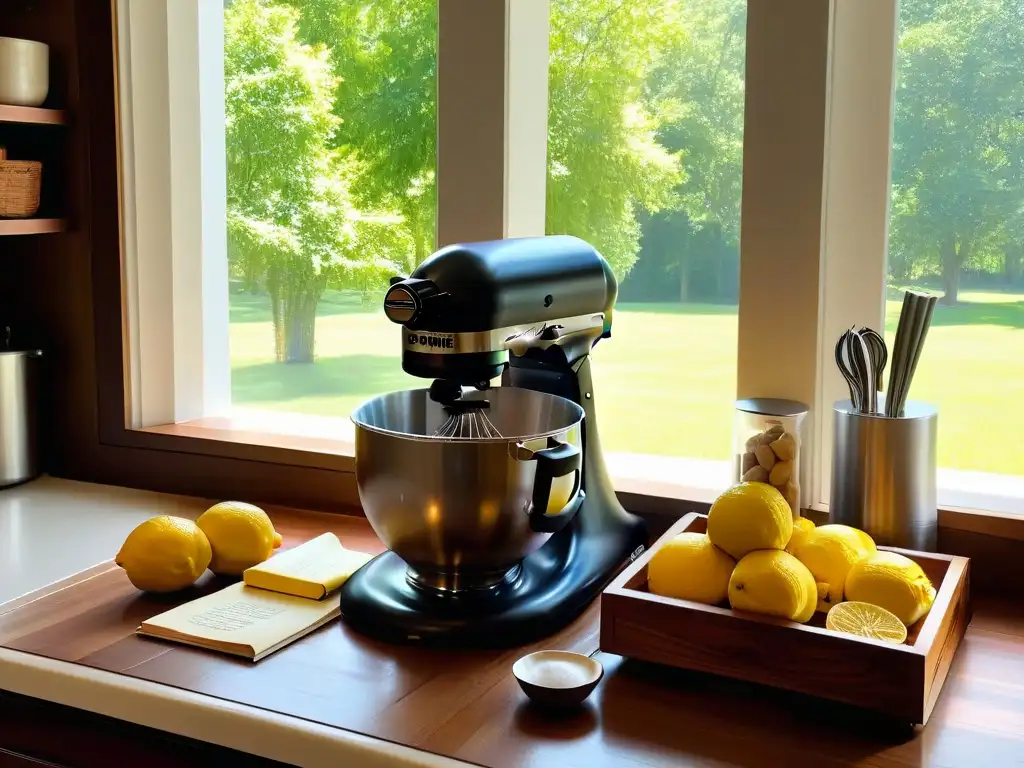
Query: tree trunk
719	251
275	288
293	308
251	276
419	237
684	283
299	328
951	284
951	260
421	252
1012	263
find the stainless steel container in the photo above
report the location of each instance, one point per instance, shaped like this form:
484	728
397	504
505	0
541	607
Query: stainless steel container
19	459
463	512
884	474
24	72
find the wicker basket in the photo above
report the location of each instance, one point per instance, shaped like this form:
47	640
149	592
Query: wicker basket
20	182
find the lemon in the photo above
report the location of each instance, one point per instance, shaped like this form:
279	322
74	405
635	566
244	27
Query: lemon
241	536
775	583
802	528
830	551
893	582
868	542
164	554
750	516
690	567
866	620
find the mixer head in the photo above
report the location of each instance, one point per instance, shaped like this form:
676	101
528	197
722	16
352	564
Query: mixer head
467	306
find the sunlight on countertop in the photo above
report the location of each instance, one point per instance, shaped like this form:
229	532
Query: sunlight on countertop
51	529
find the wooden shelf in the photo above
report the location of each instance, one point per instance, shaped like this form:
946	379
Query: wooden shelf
31	226
12	114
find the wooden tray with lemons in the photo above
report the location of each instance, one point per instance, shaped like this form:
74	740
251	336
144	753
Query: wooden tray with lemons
748	592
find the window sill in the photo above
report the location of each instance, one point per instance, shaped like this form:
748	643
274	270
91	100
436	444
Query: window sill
999	524
269	429
998	494
692	480
652	485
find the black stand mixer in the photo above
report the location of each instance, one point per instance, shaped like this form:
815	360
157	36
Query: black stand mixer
527	310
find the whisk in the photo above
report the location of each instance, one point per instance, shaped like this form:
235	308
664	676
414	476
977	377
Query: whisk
467	420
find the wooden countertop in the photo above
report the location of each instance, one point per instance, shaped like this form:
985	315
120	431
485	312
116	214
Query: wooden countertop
468	705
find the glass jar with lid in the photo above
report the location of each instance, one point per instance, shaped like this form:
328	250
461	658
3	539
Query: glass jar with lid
767	442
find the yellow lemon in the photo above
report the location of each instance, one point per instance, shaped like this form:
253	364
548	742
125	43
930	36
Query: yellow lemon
830	551
750	516
241	536
893	582
690	567
867	541
866	620
802	528
164	554
773	582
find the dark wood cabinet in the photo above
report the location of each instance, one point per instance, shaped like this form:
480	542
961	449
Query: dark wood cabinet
12	760
35	733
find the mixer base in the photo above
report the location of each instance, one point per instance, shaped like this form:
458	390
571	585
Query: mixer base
554	586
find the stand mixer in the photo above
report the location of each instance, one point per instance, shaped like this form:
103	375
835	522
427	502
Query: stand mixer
495	503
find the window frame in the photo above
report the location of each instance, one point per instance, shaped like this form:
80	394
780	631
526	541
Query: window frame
787	55
482	165
855	241
797	52
856	194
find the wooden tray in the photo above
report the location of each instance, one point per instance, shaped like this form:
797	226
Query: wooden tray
898	680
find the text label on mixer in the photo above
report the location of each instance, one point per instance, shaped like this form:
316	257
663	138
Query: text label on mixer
432	340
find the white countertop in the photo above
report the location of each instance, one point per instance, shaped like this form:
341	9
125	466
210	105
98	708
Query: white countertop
50	530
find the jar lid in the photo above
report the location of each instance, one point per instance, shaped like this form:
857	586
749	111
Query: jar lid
771	406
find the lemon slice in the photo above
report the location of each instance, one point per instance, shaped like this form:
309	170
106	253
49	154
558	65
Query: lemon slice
866	620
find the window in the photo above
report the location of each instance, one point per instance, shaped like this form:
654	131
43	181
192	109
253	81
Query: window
947	145
346	92
957	228
331	117
284	158
645	140
331	157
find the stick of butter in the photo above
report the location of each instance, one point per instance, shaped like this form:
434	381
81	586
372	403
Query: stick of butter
312	570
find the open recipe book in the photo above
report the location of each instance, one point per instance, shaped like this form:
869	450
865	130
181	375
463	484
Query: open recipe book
245	620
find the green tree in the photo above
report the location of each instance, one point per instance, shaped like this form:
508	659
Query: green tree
288	200
700	82
384	56
605	163
957	191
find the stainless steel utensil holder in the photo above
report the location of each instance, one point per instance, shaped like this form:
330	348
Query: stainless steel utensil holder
883	474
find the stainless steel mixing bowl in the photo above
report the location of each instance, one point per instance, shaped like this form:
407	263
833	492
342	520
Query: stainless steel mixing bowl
463	512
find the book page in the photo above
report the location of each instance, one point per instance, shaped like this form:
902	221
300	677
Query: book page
242	616
232	617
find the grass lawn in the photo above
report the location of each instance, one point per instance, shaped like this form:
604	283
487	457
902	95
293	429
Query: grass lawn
666	380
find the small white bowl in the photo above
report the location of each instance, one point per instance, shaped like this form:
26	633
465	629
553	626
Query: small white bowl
558	679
